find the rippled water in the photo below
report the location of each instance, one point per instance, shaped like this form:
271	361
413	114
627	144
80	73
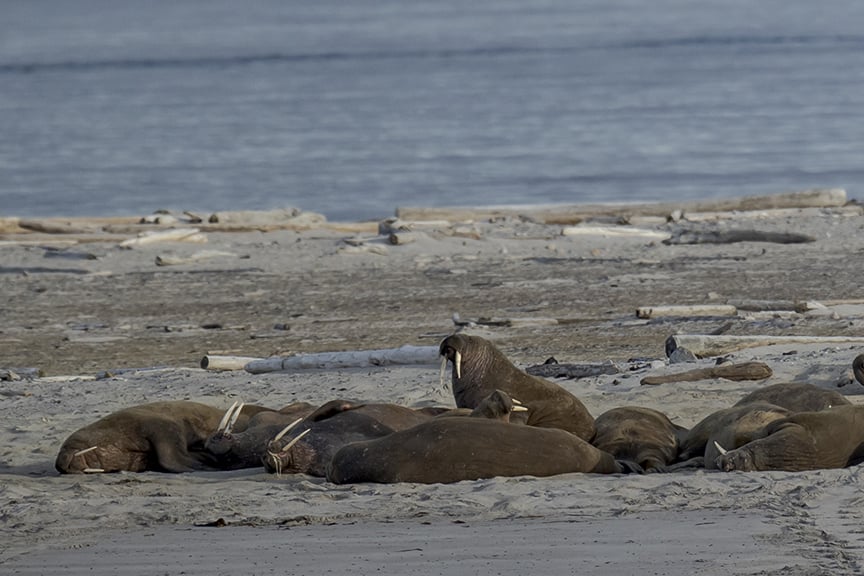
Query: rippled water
354	108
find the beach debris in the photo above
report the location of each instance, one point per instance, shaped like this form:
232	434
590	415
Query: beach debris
573	371
172	235
17	374
504	322
734	236
614	231
404	355
219	363
686	311
173	260
705	345
285	217
735	372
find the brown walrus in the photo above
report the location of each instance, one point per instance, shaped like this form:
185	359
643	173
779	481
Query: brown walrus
479	368
640	435
796	397
858	368
451	449
309	449
692	449
233	449
161	436
832	438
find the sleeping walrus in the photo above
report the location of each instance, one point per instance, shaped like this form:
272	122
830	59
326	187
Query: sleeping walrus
796	397
451	449
479	368
640	435
162	436
832	438
336	423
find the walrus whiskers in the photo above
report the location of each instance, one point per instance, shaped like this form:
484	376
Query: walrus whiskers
84	451
286	429
720	449
224	421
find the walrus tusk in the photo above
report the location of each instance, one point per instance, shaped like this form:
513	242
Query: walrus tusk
518	408
84	451
234	418
93	470
286	429
458	363
294	441
720	449
224	421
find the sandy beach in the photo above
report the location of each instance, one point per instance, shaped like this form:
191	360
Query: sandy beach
91	326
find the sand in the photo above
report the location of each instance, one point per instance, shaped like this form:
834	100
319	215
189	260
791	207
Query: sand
117	330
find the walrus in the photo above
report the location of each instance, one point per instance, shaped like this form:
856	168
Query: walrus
331	426
479	368
858	368
451	449
796	397
234	450
641	435
161	436
692	448
832	438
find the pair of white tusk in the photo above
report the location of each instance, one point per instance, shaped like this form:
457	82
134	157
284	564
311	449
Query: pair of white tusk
230	418
275	456
720	449
84	451
286	429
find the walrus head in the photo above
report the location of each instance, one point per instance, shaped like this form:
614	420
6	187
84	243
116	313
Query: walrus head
84	453
281	456
222	439
741	460
858	368
498	406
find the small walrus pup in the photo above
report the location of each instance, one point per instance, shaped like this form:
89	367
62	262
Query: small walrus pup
161	436
831	438
479	368
640	435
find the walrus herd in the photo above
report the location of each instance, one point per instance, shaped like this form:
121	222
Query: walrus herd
506	423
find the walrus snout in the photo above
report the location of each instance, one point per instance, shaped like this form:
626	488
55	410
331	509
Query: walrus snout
76	460
736	460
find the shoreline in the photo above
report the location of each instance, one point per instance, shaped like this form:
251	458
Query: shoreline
97	319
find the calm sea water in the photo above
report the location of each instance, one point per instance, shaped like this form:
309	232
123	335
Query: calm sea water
354	108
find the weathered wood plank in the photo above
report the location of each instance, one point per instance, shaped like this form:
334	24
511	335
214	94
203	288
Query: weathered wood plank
735	372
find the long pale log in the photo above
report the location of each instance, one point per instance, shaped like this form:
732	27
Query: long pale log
173	235
703	345
573	214
224	363
769	305
686	311
613	231
404	355
735	372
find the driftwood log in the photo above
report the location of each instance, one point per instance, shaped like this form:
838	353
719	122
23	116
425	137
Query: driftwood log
704	345
686	311
734	236
555	370
352	359
736	372
224	363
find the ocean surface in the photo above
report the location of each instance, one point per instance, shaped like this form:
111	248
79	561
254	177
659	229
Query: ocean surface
112	107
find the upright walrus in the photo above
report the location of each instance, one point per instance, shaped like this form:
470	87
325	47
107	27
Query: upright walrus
479	368
161	436
832	438
641	435
451	449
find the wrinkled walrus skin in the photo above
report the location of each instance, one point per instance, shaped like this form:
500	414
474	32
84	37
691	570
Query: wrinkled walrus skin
451	449
161	436
830	438
641	435
796	397
484	369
